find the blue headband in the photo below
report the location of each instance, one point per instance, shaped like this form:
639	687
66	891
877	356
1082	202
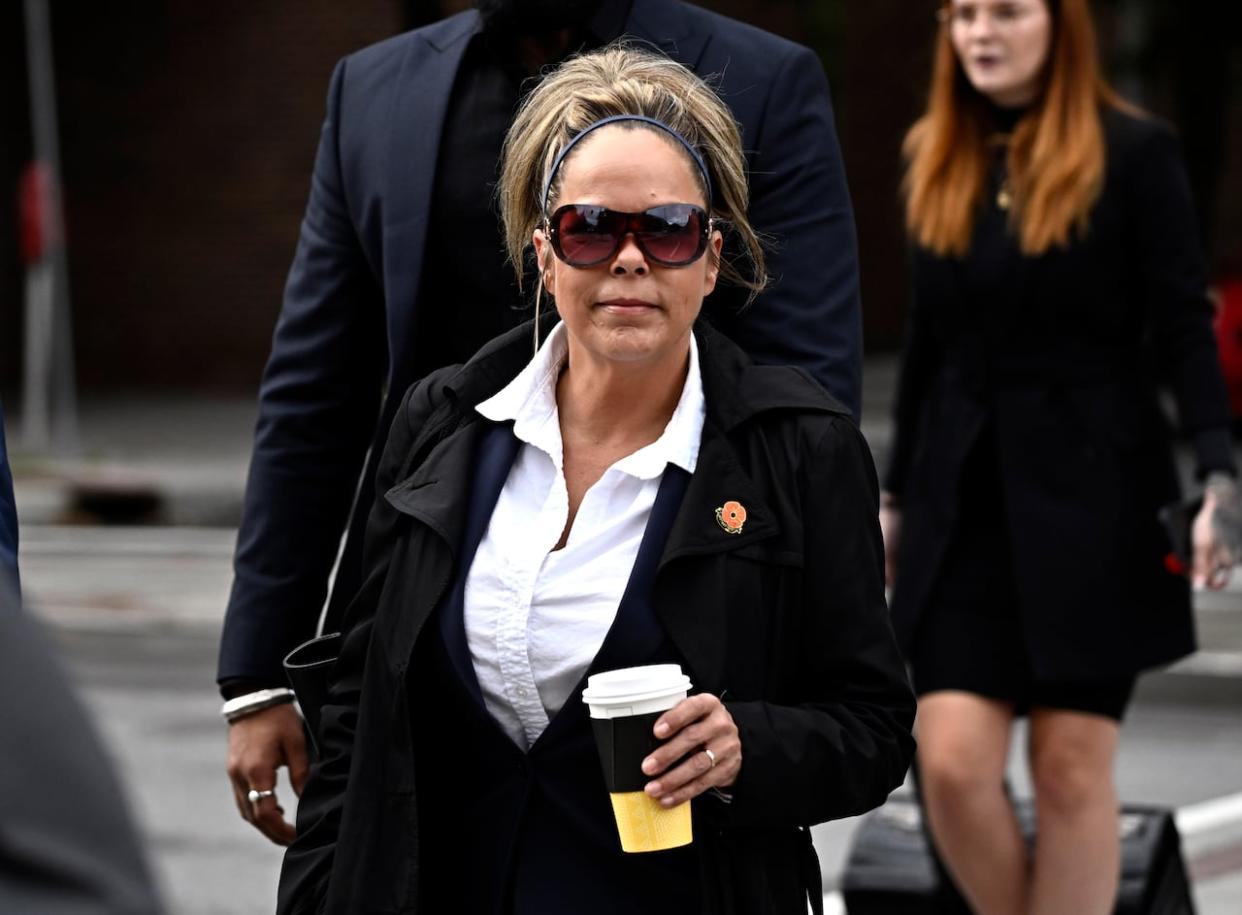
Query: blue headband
560	156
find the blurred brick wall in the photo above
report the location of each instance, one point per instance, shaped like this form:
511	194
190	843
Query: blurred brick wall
188	132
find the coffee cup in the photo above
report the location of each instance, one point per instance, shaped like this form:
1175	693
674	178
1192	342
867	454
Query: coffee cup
624	707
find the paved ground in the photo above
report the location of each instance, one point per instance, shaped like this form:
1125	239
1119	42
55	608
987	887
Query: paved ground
137	611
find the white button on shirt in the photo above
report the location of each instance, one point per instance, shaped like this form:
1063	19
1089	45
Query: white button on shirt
535	619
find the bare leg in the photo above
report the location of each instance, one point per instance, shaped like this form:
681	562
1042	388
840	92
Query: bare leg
963	741
1077	851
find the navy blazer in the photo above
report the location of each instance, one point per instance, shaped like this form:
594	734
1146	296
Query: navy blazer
542	835
340	356
8	512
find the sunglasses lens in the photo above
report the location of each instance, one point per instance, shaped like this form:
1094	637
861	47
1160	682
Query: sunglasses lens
672	235
587	234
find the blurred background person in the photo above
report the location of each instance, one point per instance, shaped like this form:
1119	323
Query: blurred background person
387	242
1057	286
8	514
540	519
67	843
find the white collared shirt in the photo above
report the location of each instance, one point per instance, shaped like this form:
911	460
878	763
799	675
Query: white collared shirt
535	619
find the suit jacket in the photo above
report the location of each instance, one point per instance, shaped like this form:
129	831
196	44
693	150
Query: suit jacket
786	619
1063	372
8	513
354	288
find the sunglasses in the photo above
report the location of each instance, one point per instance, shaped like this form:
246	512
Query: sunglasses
584	235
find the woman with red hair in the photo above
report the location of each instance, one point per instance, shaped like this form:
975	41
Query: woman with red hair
1057	286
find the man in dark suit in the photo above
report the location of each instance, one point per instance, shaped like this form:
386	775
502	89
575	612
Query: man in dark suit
8	514
400	212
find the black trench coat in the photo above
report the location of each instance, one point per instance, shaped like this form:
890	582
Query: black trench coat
788	617
1063	372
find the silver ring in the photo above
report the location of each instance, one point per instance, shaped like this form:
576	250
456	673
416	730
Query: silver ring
254	795
711	756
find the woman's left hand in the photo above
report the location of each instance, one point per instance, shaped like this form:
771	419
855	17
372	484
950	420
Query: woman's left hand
694	726
1217	535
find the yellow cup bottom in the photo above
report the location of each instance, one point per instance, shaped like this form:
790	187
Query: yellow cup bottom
646	826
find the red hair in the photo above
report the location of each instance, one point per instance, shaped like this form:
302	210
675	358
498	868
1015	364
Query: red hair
1056	155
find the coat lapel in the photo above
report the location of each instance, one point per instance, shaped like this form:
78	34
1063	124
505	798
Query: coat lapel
421	100
693	624
498	447
718	478
736	391
439	488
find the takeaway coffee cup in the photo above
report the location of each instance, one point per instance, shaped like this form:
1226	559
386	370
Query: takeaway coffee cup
625	705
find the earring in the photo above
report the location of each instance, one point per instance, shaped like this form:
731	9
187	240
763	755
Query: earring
543	286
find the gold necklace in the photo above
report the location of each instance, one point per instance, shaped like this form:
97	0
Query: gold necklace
1004	195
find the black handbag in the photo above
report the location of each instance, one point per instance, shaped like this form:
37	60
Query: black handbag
892	870
307	668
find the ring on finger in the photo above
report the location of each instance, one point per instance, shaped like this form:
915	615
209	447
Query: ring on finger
711	758
254	795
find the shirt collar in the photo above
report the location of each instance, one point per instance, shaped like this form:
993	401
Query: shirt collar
529	400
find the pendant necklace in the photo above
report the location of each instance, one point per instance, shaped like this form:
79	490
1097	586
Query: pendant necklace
1004	194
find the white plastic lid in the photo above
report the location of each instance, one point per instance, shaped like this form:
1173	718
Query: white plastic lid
635	684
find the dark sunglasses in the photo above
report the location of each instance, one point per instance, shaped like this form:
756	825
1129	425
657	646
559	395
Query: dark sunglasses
673	235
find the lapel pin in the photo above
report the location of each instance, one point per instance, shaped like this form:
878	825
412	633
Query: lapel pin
731	516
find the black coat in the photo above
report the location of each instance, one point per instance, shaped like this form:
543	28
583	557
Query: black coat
787	618
347	327
1062	368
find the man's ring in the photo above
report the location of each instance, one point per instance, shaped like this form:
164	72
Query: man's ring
254	795
711	757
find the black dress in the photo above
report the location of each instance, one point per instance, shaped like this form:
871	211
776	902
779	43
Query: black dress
977	597
971	633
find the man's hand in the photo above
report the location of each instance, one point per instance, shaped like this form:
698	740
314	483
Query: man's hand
259	744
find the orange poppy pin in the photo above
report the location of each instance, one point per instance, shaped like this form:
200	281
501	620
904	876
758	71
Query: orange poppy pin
731	516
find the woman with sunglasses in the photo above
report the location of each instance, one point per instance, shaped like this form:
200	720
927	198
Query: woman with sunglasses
638	492
1057	285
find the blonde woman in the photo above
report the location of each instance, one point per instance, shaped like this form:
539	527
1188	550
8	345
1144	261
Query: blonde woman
1057	286
638	492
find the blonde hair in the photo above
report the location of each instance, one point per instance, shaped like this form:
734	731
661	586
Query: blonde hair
1055	159
623	79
